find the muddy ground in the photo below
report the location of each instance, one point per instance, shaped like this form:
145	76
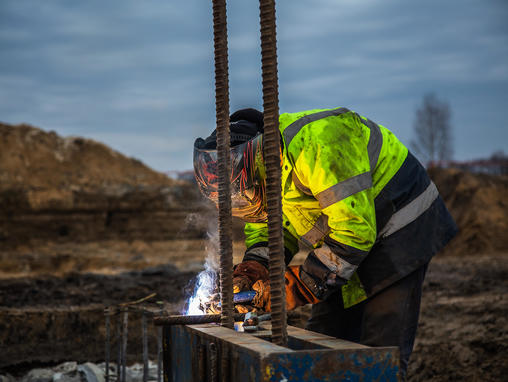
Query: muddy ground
52	300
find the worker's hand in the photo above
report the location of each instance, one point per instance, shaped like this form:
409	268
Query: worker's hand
297	293
246	274
244	308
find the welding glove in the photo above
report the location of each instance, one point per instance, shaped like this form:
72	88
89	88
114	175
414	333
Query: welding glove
297	293
247	273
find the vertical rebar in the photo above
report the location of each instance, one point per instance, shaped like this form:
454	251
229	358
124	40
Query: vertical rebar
213	361
168	367
124	343
159	347
220	39
201	362
224	367
107	343
145	346
119	354
273	171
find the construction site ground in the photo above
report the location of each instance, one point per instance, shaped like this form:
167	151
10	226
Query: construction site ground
83	227
52	299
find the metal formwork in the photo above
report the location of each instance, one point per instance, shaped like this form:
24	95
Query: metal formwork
209	352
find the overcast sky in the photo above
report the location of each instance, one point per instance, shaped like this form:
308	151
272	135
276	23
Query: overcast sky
138	75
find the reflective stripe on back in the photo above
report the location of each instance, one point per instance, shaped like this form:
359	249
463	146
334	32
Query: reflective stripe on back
411	211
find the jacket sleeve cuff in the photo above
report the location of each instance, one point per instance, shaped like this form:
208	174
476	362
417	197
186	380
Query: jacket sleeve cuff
335	263
260	253
320	280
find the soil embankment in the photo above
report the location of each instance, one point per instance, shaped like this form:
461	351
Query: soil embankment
78	190
479	205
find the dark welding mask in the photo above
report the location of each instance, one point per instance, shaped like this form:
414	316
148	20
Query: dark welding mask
248	178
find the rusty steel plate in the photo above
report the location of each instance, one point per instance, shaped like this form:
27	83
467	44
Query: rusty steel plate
209	352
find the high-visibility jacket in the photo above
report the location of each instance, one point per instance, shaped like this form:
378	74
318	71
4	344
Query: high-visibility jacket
353	194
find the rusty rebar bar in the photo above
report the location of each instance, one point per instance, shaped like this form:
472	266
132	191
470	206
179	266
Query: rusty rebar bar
224	364
193	320
159	345
125	325
212	352
220	34
273	171
107	344
201	362
145	346
119	351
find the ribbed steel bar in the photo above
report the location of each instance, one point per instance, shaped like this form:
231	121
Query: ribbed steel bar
125	328
224	362
193	320
108	343
119	352
212	361
144	334
220	39
201	361
159	345
273	170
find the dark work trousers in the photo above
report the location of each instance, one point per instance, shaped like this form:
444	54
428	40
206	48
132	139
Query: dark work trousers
388	318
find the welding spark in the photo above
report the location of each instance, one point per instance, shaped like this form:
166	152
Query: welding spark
204	291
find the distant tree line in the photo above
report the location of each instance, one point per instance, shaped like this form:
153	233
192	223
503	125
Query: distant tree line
497	164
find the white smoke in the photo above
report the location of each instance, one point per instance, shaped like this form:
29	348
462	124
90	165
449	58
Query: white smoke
206	284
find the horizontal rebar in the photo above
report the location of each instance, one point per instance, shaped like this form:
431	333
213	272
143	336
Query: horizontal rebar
191	320
162	319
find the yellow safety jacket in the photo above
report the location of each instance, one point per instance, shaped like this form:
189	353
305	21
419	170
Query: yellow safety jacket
335	163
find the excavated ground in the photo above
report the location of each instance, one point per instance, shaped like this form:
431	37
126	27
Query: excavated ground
49	316
83	227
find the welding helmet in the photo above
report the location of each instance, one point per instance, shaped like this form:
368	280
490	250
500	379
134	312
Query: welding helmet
248	178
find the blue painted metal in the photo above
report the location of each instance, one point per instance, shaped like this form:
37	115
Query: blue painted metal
309	357
246	296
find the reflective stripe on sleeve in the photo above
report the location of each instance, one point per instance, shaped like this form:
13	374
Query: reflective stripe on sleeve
293	129
299	184
334	262
344	189
410	212
375	143
317	232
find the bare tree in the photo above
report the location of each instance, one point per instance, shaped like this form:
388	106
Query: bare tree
433	131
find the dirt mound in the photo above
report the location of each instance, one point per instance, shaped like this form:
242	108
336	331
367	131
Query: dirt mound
31	158
78	190
479	205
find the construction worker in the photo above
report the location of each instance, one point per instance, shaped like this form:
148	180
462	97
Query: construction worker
358	200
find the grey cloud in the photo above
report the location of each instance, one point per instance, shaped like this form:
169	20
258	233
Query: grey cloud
144	70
